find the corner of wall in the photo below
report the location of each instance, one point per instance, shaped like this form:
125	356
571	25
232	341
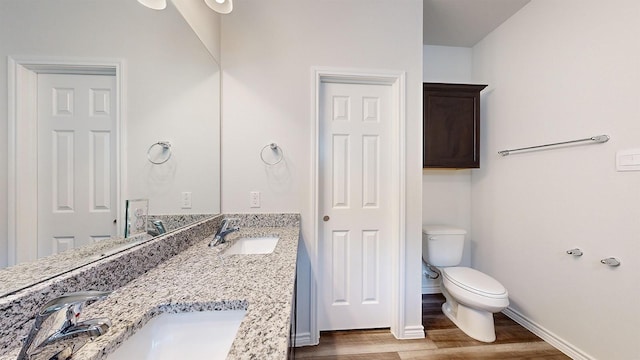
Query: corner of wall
205	22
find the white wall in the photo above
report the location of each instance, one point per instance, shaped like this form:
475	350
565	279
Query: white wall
171	83
447	64
562	70
446	193
268	50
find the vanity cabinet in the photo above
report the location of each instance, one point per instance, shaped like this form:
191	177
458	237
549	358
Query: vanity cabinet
451	125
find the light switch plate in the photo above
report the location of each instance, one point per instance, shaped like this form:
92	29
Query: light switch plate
628	160
254	199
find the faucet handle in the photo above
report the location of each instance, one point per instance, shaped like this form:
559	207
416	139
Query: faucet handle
224	225
61	324
73	303
229	220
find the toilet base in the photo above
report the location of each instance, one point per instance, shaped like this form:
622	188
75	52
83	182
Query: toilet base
478	324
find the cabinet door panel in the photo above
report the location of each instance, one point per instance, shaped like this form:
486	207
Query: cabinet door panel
451	126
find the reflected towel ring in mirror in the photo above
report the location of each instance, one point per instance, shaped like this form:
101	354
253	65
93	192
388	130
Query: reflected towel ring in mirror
279	153
164	154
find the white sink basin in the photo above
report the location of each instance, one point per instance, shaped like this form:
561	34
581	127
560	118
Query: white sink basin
192	335
253	245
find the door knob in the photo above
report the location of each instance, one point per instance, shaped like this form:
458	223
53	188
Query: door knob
325	218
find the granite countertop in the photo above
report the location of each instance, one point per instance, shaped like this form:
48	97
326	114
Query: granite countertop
21	276
203	278
24	275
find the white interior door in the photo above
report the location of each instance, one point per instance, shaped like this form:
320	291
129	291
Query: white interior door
355	203
76	160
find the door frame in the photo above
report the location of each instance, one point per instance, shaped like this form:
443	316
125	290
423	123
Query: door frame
397	81
22	137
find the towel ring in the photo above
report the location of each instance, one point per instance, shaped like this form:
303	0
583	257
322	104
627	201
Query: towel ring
166	147
275	148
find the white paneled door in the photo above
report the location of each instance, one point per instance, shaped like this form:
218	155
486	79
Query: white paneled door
76	160
355	206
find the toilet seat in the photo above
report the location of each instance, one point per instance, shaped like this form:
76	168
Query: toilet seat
474	289
475	281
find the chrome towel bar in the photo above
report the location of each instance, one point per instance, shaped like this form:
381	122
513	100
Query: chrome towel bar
597	139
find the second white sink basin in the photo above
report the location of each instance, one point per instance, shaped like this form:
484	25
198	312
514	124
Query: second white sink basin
192	335
253	245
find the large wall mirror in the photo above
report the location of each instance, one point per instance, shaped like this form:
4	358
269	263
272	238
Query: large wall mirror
129	80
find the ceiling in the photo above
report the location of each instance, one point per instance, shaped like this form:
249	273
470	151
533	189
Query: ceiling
464	22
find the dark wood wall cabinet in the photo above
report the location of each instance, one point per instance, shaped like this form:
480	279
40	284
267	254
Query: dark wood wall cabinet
451	131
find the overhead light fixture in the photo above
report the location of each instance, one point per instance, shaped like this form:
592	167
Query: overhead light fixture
154	4
221	6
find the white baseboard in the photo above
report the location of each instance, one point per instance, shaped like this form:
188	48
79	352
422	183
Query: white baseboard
431	289
304	339
412	332
546	335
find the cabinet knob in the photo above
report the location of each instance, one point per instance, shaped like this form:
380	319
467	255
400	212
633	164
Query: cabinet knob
326	218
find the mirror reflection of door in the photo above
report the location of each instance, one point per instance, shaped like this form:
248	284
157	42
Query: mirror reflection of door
76	160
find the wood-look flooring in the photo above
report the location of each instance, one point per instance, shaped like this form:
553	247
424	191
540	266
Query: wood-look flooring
444	341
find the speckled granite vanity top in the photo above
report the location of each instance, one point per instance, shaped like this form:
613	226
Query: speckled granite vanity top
202	278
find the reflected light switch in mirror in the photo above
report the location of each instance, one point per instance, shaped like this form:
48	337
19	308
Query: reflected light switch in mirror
186	200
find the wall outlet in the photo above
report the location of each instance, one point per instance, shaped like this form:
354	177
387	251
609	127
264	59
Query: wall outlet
186	200
254	199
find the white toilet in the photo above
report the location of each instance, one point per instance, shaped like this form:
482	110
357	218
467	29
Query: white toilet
472	297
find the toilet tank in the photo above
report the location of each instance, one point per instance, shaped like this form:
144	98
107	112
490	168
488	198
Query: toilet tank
442	245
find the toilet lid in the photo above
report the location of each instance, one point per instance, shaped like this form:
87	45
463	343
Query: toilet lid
442	230
474	280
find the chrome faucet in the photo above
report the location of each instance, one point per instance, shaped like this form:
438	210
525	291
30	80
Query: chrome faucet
57	334
223	231
159	226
